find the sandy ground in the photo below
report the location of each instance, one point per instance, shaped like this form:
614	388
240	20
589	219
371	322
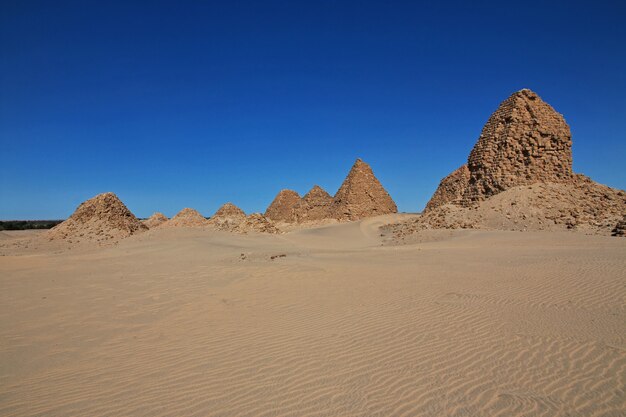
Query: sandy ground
197	323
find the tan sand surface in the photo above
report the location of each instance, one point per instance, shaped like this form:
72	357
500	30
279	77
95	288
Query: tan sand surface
328	321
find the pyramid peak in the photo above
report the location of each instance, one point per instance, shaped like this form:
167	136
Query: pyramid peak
526	93
187	217
316	189
187	210
108	197
361	195
155	220
281	208
288	191
229	209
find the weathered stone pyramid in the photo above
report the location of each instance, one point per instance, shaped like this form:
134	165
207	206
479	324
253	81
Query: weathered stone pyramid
315	205
525	141
451	189
229	210
361	195
228	217
187	217
281	209
155	220
519	177
101	218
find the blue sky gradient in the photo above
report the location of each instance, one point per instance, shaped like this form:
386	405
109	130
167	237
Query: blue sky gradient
192	104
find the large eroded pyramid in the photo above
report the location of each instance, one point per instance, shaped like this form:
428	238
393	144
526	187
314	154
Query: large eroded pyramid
101	218
361	195
519	177
281	209
315	205
525	141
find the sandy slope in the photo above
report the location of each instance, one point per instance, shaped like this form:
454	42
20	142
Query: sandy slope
201	323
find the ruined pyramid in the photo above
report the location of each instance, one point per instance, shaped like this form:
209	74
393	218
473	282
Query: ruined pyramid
187	217
155	220
228	217
315	205
525	141
361	195
519	177
451	189
101	218
281	209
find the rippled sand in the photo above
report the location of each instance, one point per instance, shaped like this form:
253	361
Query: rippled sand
197	323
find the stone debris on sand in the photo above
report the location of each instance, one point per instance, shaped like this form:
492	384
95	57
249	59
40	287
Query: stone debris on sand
281	209
230	218
585	207
103	218
361	195
155	220
187	217
519	177
620	228
314	206
256	223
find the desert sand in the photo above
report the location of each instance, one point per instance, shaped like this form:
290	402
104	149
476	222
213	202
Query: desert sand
325	321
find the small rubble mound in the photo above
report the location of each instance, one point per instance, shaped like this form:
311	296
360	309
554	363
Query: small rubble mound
256	222
361	195
100	219
314	206
228	217
187	217
155	220
620	228
451	189
584	206
282	208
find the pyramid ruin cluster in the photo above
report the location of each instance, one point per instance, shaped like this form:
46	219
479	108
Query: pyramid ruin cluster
519	177
361	195
105	218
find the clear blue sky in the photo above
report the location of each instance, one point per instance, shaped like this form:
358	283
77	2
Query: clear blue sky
192	104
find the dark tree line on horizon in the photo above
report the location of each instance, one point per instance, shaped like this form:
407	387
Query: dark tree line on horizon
28	224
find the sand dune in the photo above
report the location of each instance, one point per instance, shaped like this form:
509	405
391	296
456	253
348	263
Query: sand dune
328	321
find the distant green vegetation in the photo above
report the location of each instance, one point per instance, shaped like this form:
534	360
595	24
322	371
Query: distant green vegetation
28	224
